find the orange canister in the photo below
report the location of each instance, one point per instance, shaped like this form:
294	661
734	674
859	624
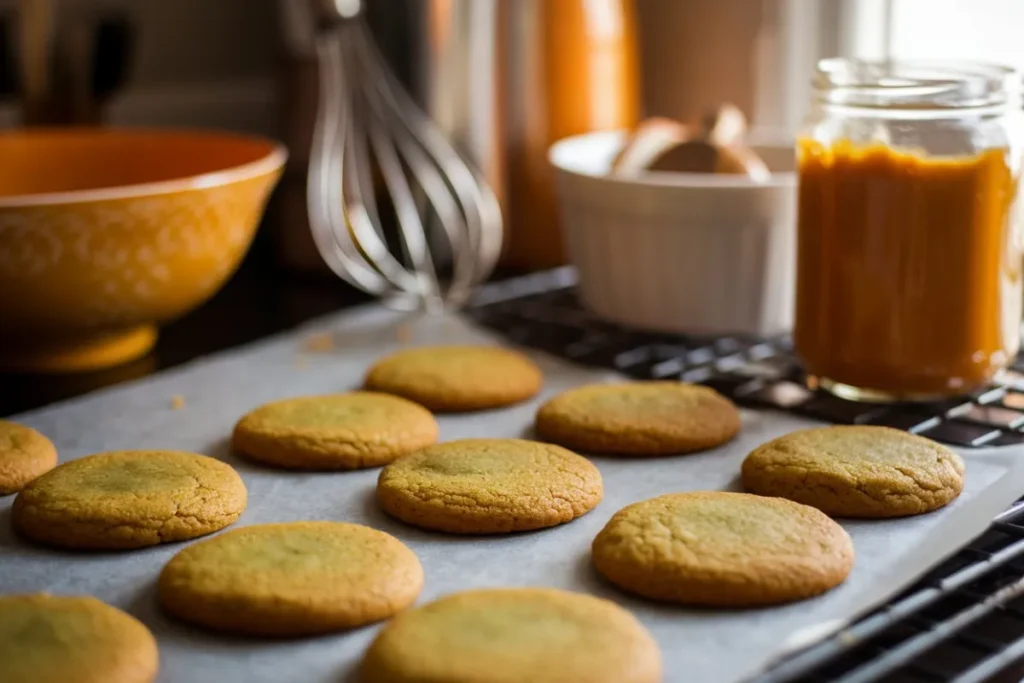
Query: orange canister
571	67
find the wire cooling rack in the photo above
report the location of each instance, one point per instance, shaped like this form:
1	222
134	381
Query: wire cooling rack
963	622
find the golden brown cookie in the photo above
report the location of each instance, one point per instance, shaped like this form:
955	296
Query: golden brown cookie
298	578
457	378
639	418
485	486
722	549
24	455
856	471
129	499
512	635
338	431
47	639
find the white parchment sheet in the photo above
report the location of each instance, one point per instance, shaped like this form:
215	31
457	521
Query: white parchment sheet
704	646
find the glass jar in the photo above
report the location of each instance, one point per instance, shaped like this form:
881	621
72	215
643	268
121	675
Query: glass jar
909	238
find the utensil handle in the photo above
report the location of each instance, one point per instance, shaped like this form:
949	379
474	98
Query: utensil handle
35	33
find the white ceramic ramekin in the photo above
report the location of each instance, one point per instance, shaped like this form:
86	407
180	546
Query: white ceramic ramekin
675	252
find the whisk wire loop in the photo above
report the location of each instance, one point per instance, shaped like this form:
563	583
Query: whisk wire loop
445	213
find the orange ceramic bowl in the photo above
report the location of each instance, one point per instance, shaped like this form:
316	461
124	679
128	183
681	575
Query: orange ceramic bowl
105	233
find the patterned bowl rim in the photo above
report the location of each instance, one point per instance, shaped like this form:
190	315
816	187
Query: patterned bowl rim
269	163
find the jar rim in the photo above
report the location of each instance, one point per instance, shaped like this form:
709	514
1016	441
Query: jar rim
916	84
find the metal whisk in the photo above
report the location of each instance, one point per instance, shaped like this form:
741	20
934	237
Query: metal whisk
367	124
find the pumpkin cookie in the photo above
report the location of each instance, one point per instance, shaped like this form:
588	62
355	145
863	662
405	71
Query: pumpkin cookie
457	378
129	499
510	635
724	549
485	486
339	431
47	639
639	418
856	471
299	578
24	455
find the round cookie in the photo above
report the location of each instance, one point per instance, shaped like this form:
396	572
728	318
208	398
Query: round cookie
510	635
722	549
856	471
484	486
129	499
457	378
47	639
24	455
292	579
338	431
639	418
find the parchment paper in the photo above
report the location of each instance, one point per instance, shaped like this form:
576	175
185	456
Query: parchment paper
705	646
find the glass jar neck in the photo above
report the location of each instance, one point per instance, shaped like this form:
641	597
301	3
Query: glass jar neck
919	89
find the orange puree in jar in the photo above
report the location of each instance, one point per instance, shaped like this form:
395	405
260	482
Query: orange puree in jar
908	269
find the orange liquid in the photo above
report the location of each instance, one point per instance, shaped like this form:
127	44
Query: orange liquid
908	268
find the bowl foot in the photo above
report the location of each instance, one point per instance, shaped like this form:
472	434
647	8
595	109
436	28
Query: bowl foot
79	354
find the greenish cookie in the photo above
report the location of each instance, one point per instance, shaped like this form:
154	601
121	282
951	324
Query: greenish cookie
457	378
47	639
339	431
513	635
129	499
298	578
24	455
722	549
856	471
639	418
486	486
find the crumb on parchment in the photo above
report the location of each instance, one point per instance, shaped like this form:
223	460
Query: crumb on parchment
403	334
318	343
177	402
300	363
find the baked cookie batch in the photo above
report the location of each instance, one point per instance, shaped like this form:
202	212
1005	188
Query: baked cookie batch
340	432
776	543
48	639
129	499
292	579
24	455
489	486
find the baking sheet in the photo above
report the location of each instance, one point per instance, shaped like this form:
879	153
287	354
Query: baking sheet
697	645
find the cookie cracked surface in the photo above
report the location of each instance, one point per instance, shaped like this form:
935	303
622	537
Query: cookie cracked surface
291	579
129	499
856	471
511	635
49	639
339	431
639	418
457	378
24	455
712	548
479	486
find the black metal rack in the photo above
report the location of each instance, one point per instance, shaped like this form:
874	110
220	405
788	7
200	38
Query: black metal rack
962	622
